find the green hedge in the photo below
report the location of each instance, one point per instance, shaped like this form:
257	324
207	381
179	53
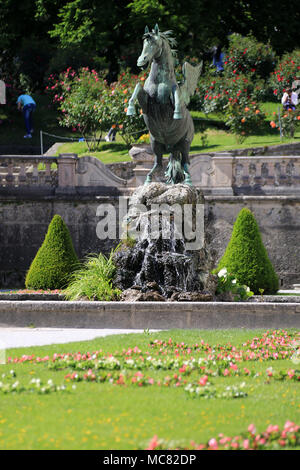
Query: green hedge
247	258
55	261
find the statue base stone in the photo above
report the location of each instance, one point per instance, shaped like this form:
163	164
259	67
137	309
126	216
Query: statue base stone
164	263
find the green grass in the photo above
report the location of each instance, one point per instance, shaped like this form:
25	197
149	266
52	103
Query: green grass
218	139
105	416
113	152
12	129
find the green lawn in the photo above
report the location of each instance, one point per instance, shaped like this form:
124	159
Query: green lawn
12	128
217	139
45	118
111	416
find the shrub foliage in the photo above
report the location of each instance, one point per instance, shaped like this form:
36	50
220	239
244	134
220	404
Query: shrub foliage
55	260
93	280
246	256
287	72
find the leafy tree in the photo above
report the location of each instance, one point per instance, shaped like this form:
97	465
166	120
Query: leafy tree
275	21
84	106
112	30
89	105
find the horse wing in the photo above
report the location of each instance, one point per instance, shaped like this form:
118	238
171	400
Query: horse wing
191	76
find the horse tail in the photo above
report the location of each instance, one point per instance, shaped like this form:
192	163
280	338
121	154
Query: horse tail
174	172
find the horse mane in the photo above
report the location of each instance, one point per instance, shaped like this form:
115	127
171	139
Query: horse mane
167	36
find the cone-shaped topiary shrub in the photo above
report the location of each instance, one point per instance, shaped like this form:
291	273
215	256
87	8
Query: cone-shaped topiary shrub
246	257
55	261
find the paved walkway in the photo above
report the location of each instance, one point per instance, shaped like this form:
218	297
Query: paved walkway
23	337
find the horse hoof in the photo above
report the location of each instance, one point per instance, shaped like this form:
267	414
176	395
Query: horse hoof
131	111
188	180
177	116
148	180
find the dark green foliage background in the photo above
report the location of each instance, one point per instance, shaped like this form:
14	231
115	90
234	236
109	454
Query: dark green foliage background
112	30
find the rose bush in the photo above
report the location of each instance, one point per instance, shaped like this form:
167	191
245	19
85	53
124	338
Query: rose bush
285	73
244	118
248	56
89	105
129	127
235	96
83	106
287	120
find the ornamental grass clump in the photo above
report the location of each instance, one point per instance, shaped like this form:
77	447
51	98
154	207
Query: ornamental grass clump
55	261
93	281
246	257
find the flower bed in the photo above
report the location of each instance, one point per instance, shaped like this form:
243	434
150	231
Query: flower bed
272	438
205	380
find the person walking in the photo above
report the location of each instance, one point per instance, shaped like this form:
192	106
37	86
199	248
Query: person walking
28	105
218	57
111	136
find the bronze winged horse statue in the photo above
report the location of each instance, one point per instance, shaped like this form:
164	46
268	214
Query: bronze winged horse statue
164	105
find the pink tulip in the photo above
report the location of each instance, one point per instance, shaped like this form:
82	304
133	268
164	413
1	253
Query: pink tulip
213	444
153	443
252	429
246	444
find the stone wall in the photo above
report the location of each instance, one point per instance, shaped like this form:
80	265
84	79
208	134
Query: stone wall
23	224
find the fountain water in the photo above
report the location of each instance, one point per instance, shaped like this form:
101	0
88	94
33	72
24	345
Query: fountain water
163	263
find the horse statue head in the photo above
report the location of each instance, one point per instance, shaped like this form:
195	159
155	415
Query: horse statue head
152	47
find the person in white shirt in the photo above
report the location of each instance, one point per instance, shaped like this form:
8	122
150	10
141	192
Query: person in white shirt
289	100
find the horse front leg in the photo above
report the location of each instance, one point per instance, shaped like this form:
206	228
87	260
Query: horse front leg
158	150
185	162
138	94
177	102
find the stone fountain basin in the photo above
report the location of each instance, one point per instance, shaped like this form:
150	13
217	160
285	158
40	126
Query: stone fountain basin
150	315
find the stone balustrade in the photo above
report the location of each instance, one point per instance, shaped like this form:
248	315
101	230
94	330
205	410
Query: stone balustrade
216	174
267	175
63	175
27	173
227	174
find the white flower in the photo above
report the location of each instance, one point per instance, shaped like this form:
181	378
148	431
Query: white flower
222	272
233	281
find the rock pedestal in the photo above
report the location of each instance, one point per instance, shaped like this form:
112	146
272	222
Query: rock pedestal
169	259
